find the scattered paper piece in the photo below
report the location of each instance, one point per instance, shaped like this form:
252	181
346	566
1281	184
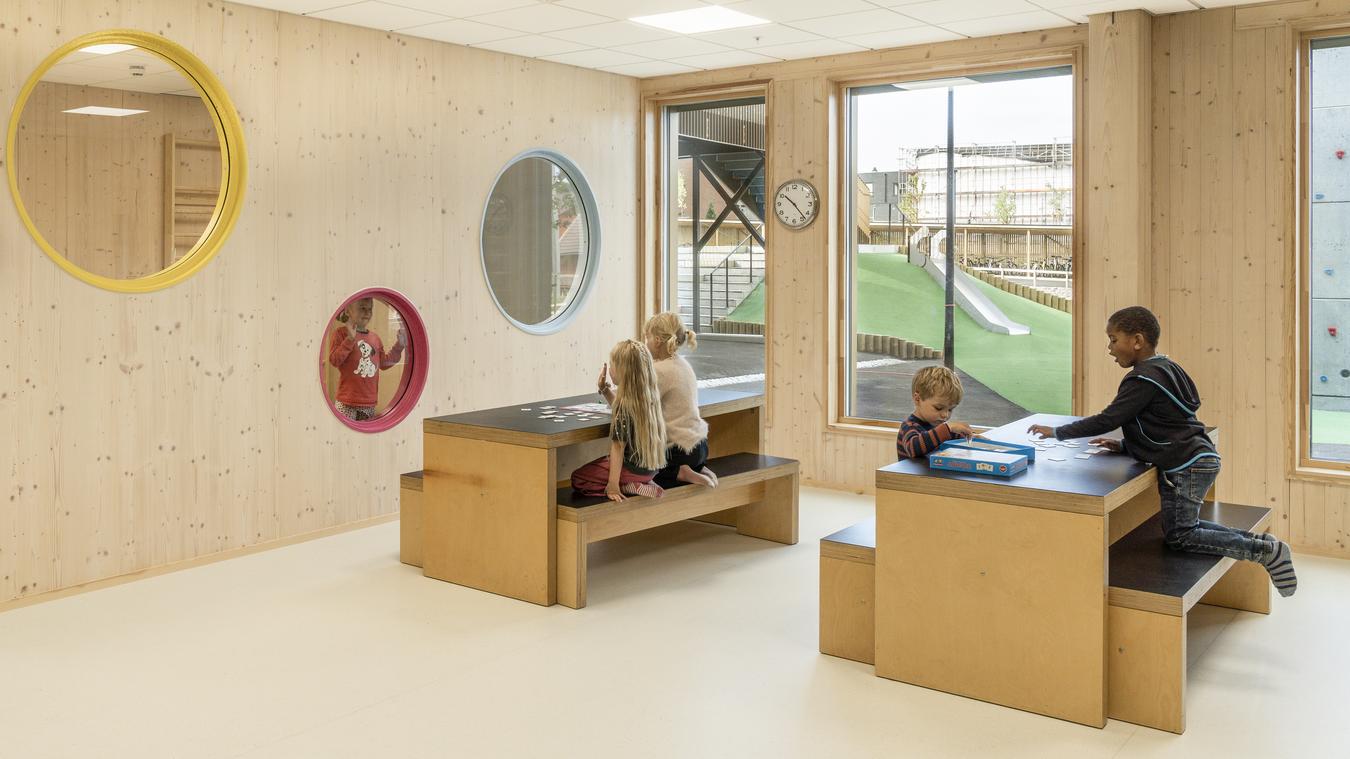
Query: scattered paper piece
1083	456
1055	458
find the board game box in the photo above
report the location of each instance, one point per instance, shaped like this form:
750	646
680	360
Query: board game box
973	461
992	446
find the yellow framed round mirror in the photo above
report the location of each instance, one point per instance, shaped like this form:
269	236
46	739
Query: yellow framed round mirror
126	160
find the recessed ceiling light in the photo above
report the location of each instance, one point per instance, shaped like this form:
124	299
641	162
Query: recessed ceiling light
103	110
106	49
710	18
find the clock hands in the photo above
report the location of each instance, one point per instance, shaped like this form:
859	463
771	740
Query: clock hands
794	205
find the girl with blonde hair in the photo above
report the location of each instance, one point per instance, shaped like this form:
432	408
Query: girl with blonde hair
636	433
686	432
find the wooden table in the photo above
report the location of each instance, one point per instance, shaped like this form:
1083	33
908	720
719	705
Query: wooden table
491	479
997	589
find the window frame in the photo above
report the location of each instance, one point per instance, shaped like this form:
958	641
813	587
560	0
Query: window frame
842	306
1305	466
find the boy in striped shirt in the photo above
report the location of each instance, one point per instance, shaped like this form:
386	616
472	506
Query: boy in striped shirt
937	391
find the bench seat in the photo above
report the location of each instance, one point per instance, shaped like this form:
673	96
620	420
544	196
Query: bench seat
848	592
762	491
1152	588
410	518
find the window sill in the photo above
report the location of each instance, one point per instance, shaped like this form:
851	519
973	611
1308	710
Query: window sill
1330	475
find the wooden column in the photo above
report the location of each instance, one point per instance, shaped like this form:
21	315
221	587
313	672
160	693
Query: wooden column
1113	269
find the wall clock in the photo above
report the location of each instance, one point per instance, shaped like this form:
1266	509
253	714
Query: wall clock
796	203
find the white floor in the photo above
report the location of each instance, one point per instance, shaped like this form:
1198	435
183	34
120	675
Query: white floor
697	643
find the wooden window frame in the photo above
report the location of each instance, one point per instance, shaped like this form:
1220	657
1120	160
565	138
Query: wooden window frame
1070	55
1305	466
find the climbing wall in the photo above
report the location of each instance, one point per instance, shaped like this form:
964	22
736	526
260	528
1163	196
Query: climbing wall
1329	211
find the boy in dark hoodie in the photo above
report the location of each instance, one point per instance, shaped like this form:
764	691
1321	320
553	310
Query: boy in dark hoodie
1155	409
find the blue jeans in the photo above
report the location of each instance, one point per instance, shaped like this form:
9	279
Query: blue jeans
1182	492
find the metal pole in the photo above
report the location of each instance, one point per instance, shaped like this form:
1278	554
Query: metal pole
949	330
696	158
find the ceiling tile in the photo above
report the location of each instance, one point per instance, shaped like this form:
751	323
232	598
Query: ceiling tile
726	60
810	49
594	59
612	34
921	35
532	46
297	7
944	11
1017	22
650	68
464	8
758	36
622	9
461	32
377	15
540	19
875	20
675	47
795	10
1078	12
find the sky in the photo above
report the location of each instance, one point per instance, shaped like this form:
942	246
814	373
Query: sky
1025	111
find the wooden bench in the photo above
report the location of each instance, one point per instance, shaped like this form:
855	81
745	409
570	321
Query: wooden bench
757	494
1152	588
848	591
410	518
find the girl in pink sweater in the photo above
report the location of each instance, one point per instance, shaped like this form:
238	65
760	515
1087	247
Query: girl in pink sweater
686	432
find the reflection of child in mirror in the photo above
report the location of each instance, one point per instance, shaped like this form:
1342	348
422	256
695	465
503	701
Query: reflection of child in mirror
358	355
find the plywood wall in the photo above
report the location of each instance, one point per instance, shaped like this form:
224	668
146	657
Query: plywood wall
1224	245
147	430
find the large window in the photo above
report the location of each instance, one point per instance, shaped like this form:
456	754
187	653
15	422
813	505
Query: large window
976	171
1326	314
714	231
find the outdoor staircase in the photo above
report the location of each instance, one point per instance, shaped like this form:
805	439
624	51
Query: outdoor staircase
724	281
733	168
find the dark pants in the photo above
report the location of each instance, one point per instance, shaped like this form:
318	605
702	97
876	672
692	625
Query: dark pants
677	457
1182	492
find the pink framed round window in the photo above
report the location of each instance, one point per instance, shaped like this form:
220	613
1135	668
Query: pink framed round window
373	359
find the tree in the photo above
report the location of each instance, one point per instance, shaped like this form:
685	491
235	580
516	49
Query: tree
1057	204
1004	206
681	194
711	214
912	189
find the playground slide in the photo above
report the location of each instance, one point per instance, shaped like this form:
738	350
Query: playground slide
969	297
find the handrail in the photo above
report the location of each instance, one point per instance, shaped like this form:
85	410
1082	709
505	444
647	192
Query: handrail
748	243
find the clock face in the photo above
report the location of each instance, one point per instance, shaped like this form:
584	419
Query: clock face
796	203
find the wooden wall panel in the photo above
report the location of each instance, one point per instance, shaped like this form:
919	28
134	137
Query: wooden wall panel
1224	247
161	428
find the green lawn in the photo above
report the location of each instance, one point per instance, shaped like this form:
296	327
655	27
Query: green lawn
897	298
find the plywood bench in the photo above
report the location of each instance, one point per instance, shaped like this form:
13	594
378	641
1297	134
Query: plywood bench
1152	588
762	490
847	592
410	518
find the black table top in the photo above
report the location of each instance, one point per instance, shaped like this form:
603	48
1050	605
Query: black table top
1096	477
513	420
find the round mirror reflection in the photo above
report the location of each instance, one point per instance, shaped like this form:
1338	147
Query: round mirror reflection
539	240
117	161
368	359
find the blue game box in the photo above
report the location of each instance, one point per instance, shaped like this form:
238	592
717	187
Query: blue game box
972	461
992	446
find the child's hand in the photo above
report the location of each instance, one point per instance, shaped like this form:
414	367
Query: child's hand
961	429
612	492
602	383
1042	430
1107	443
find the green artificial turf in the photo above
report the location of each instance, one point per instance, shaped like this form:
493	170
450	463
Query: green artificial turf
897	298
